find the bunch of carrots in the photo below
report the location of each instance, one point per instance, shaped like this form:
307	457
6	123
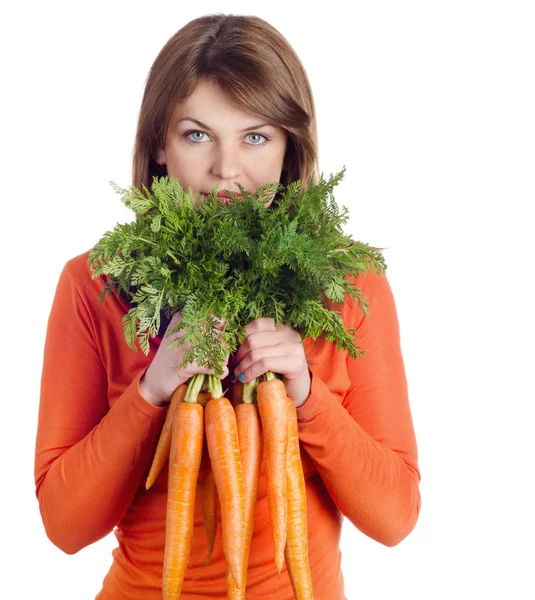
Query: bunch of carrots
290	261
237	438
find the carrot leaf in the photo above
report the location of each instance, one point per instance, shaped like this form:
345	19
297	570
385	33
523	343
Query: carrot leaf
290	260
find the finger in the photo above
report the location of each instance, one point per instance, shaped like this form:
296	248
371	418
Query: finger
223	374
176	317
264	339
261	324
219	336
277	364
279	359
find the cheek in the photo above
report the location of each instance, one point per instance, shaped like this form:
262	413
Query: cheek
268	168
182	164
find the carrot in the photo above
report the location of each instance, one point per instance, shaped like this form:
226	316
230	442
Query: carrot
296	550
250	440
236	393
184	463
208	490
203	398
272	404
161	454
209	509
224	450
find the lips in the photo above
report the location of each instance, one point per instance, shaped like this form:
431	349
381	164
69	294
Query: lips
224	195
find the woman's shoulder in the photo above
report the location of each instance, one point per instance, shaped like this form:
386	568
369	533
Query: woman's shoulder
80	272
371	288
370	285
78	266
369	278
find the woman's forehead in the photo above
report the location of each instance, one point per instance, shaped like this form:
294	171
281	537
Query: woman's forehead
208	108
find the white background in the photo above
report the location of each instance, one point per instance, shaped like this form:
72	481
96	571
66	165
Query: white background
431	107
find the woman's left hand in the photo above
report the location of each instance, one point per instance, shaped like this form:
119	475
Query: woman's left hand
279	350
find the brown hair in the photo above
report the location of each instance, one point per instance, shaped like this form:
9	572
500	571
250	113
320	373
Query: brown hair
256	69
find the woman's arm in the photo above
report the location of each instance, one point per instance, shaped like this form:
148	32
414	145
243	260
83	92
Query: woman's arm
89	459
360	436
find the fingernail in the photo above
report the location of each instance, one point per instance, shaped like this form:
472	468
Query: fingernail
231	376
241	377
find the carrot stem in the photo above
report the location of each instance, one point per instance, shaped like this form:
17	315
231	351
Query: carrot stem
194	387
249	391
215	387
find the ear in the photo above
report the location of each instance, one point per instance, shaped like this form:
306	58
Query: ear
159	157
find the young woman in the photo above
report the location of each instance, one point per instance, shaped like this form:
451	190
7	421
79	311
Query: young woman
227	101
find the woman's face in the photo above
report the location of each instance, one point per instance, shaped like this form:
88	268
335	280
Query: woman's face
226	145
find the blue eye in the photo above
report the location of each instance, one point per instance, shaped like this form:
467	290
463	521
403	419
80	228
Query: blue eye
203	133
186	135
258	135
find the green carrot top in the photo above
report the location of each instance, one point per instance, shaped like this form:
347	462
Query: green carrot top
239	261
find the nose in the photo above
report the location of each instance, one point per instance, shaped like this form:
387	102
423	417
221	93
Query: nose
226	166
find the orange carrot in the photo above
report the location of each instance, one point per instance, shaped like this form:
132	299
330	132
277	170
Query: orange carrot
208	490
161	454
224	450
250	439
184	463
236	393
272	404
296	550
203	398
209	509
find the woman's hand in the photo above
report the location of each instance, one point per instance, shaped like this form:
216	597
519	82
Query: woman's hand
279	350
160	379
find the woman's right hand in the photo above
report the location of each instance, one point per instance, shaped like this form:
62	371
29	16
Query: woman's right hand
160	379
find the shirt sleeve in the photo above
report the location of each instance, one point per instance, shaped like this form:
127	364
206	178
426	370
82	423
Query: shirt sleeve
364	446
89	458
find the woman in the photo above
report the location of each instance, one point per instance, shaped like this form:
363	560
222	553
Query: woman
227	101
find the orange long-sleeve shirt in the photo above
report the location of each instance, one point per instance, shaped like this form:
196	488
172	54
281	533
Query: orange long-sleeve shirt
96	437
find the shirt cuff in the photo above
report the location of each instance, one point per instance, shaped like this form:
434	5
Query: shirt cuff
316	401
144	405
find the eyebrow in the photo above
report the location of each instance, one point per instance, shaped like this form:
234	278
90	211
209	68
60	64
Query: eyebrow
201	124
